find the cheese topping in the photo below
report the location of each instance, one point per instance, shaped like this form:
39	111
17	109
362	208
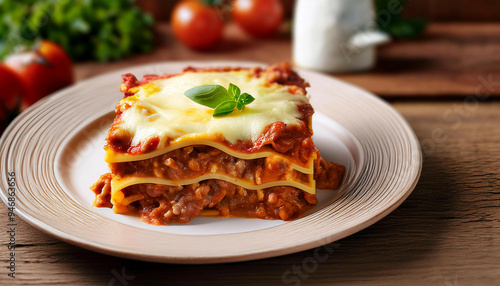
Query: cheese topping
160	109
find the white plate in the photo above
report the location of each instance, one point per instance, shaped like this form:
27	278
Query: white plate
56	150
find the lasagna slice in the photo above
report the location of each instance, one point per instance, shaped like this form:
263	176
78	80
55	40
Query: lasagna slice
172	160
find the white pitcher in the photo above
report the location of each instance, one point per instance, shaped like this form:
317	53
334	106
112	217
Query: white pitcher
335	35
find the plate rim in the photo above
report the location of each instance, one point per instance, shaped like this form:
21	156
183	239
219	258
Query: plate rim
81	242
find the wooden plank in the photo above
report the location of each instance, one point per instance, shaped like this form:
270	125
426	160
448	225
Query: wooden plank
447	61
454	10
235	46
446	233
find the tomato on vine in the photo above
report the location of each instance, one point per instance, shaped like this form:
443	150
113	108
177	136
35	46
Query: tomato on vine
12	91
259	18
43	70
197	24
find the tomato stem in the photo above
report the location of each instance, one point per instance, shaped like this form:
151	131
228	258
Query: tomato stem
212	2
10	114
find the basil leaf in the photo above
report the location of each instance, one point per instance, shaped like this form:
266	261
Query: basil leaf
239	105
246	99
224	108
234	91
222	100
209	95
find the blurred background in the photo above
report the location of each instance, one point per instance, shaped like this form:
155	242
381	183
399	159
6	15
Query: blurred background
434	10
393	48
437	62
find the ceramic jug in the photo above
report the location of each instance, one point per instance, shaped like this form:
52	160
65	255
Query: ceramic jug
335	35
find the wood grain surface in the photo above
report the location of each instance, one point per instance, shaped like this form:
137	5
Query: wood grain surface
446	233
446	62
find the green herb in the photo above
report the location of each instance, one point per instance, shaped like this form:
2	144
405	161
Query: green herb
87	29
406	29
212	2
222	100
389	20
224	108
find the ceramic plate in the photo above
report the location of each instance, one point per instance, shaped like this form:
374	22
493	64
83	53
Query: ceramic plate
55	149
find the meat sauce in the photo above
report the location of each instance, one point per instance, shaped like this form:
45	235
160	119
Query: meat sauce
194	161
282	138
162	204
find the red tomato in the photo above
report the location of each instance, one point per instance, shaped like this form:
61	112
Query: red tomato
43	70
259	18
196	25
11	92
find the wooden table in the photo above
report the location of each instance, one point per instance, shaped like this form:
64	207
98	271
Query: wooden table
446	233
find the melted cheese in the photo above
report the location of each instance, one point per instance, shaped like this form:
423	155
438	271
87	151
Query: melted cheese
160	109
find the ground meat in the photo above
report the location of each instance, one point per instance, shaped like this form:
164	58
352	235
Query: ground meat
285	203
328	175
164	205
128	81
285	75
194	161
306	110
161	204
102	191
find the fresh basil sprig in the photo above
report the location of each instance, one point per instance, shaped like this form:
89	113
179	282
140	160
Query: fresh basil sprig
222	100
